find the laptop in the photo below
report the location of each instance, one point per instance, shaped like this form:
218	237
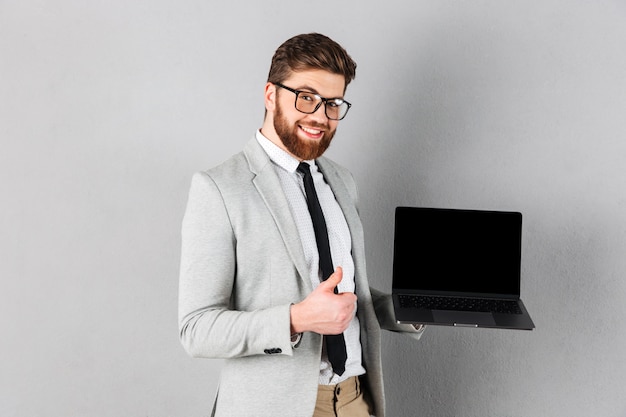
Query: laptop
457	267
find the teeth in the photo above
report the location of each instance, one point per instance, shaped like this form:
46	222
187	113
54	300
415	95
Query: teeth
311	131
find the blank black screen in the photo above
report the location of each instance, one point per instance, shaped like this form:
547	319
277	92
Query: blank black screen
470	251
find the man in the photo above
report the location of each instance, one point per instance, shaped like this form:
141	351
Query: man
256	287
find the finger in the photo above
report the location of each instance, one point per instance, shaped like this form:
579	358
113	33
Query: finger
335	278
349	298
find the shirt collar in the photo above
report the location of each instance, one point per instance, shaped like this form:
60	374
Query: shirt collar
279	156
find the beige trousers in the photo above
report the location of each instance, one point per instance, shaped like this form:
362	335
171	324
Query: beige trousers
342	400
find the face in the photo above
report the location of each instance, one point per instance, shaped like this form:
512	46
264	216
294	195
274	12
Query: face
306	136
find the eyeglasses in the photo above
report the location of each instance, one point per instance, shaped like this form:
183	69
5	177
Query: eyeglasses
308	103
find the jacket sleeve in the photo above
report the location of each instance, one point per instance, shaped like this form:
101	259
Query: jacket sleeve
208	325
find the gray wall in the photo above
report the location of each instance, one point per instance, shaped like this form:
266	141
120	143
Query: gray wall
107	108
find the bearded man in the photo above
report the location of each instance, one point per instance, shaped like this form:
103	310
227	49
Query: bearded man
273	276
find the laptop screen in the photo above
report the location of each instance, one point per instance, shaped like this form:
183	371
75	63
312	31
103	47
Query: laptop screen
452	250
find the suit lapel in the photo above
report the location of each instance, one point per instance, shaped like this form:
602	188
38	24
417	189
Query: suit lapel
268	185
344	198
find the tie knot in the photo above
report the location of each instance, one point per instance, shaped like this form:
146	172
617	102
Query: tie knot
304	168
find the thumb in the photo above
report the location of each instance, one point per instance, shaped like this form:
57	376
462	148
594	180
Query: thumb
334	279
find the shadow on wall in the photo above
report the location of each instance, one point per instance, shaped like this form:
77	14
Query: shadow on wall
441	94
426	138
444	147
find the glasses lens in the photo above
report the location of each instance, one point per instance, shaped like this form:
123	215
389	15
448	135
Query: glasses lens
336	109
307	102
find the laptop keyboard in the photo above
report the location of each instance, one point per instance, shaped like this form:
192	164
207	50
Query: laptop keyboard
463	304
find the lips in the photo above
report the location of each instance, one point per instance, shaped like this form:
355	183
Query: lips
312	132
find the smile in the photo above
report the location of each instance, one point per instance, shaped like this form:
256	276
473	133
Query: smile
311	132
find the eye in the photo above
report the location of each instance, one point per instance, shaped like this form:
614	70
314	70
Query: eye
305	96
336	102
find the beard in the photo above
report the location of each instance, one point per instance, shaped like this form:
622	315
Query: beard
304	149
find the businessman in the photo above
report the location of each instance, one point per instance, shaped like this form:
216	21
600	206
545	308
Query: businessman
272	274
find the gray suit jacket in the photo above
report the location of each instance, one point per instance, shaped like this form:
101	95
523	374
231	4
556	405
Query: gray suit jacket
242	265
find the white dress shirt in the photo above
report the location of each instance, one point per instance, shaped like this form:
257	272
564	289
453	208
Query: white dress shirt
340	245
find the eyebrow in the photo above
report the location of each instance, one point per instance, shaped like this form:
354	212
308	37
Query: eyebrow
314	91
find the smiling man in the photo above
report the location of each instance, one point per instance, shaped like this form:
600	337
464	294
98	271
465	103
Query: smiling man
272	274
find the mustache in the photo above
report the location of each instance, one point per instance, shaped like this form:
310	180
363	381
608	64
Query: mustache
316	125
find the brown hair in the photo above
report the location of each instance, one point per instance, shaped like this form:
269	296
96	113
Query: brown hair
311	51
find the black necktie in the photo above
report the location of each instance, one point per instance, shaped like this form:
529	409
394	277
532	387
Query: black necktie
335	344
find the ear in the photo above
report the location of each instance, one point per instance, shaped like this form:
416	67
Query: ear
270	97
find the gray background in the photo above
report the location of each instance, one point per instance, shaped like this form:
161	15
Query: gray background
108	107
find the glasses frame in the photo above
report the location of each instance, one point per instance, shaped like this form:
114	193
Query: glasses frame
323	100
